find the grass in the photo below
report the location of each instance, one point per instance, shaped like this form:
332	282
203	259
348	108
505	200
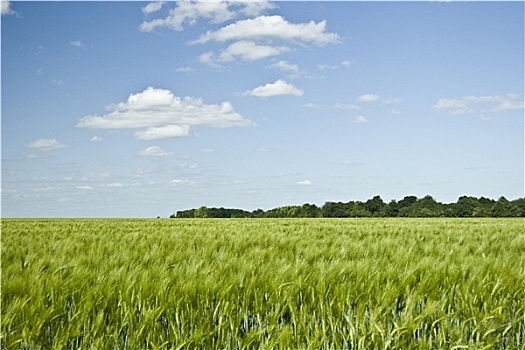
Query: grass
263	284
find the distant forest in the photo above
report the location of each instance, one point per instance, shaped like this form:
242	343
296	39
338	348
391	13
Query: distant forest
410	206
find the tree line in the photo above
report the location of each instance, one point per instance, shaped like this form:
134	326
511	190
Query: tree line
410	206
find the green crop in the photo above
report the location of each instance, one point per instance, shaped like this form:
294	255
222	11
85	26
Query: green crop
263	284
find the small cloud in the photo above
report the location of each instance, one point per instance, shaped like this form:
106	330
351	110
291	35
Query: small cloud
304	183
189	166
263	149
395	111
327	66
96	139
285	66
153	151
85	188
315	106
347	107
45	145
40	71
368	98
279	88
6	8
184	69
480	104
393	100
153	7
347	63
76	43
58	82
359	120
207	150
180	182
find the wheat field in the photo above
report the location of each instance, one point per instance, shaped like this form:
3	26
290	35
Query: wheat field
263	284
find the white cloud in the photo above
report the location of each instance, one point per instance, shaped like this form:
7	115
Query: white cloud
153	7
183	69
45	144
250	51
285	66
270	28
84	188
244	50
480	104
359	120
304	183
279	88
180	182
338	105
96	139
6	8
77	43
163	132
153	151
347	107
347	63
163	115
256	7
368	98
393	100
189	12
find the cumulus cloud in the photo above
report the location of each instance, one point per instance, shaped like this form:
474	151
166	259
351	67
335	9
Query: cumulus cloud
45	145
189	12
161	114
153	151
368	98
480	104
270	28
279	88
153	7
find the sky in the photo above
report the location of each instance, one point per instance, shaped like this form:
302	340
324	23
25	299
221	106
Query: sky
141	109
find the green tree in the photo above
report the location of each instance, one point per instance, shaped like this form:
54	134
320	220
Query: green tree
202	212
375	206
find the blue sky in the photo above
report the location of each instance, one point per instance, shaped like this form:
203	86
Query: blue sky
137	109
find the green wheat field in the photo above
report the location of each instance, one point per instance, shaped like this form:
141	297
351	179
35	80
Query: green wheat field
263	284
